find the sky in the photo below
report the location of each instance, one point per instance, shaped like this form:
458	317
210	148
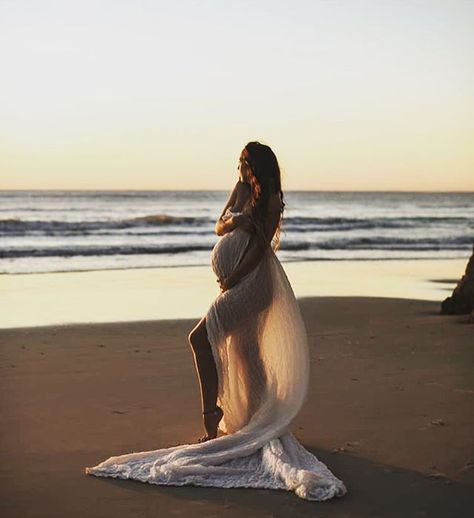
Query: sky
130	94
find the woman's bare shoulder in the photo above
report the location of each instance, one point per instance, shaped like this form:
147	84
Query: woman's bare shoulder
240	187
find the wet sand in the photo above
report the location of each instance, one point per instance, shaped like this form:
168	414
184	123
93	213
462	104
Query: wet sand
39	299
390	411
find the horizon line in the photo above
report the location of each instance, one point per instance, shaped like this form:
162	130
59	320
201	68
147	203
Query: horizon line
226	190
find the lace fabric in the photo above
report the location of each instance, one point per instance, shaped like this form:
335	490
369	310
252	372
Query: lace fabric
259	343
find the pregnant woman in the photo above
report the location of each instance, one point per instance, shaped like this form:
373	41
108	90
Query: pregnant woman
251	356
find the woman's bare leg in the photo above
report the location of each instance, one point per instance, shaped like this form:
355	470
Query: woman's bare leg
207	374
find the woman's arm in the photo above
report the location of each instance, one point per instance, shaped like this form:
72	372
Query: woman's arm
222	227
255	250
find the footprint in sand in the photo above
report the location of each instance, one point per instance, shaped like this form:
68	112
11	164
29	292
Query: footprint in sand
464	391
439	476
340	449
467	467
352	444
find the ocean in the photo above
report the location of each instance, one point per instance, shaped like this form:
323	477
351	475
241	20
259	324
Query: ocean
57	231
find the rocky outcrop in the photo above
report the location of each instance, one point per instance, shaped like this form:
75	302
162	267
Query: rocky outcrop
461	302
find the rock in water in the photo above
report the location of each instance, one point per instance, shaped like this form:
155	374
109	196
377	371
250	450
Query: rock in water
461	301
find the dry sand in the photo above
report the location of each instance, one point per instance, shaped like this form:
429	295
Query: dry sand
390	411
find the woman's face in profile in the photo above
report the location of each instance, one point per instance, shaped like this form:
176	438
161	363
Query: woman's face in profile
244	167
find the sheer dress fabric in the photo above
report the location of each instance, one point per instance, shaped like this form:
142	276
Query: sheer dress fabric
259	343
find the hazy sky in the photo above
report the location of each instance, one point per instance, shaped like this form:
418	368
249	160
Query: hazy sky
129	94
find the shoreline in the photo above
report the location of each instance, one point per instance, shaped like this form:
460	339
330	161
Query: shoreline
130	295
287	261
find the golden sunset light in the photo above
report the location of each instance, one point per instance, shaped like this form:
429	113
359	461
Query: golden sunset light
164	95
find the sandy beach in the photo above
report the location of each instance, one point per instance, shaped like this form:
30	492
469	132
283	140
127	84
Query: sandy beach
390	411
147	149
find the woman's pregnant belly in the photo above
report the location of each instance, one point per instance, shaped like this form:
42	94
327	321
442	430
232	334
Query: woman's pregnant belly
228	252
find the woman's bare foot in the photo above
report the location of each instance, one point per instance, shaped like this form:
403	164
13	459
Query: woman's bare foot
211	422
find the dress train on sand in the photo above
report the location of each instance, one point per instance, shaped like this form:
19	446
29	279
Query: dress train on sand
259	343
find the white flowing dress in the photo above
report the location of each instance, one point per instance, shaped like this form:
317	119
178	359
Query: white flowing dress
259	343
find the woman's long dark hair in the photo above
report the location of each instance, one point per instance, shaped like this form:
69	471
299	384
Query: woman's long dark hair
265	180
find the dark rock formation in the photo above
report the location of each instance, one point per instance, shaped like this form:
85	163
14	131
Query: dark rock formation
461	301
